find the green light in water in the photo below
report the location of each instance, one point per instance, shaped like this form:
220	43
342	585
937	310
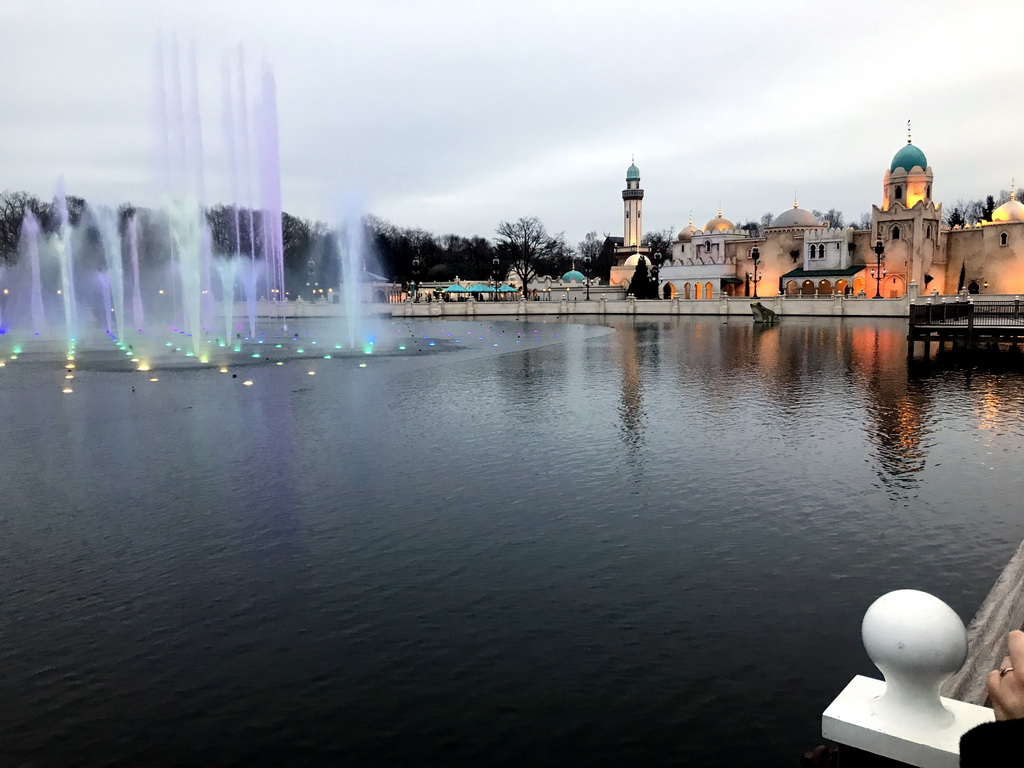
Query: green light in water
401	346
16	350
238	349
222	344
277	346
327	357
337	346
190	354
255	354
300	351
368	348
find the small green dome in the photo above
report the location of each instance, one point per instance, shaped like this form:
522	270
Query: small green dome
633	173
573	275
907	158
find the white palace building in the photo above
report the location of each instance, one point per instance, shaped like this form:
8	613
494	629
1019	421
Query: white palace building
907	244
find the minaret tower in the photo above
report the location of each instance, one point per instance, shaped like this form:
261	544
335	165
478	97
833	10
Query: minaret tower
632	202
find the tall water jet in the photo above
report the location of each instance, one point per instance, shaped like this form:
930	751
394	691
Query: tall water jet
350	254
30	241
66	261
138	316
111	238
226	270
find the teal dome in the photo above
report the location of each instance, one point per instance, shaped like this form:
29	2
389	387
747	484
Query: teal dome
907	158
573	275
633	173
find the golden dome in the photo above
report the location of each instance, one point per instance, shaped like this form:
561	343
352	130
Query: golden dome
686	233
1011	210
719	223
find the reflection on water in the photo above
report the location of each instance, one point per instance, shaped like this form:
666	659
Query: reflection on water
550	544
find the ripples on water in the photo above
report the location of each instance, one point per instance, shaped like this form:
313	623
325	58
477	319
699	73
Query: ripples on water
652	545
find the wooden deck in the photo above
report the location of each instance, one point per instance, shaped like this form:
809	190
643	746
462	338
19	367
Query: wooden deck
966	324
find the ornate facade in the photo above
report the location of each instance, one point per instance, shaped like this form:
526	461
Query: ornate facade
907	244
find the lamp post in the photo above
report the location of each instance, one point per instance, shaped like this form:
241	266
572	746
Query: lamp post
415	277
496	273
755	256
878	273
586	268
656	259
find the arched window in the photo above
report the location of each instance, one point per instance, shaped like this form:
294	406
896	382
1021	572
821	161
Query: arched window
928	231
686	291
1002	238
707	291
824	288
929	192
698	291
895	233
821	251
707	246
899	193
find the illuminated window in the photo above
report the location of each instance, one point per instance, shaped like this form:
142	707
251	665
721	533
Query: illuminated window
707	291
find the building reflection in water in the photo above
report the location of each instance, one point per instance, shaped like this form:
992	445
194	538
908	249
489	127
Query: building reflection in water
637	350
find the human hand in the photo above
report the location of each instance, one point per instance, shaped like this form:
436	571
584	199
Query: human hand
1006	684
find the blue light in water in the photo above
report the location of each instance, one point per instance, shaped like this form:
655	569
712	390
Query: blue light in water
431	343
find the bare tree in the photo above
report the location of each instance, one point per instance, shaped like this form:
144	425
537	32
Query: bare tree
526	247
766	220
831	218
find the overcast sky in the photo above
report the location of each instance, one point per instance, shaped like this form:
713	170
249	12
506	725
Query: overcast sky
452	116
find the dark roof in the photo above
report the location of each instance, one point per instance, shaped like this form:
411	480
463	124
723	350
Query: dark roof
801	272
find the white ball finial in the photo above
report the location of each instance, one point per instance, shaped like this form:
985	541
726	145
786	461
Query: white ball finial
918	642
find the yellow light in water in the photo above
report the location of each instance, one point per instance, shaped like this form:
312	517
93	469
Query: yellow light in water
247	383
69	376
70	366
154	379
3	364
135	359
362	365
312	373
279	362
67	390
144	367
224	370
204	360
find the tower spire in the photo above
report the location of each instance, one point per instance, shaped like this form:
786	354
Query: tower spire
908	132
1013	188
795	203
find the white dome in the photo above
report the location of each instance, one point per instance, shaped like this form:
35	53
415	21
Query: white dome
632	261
796	217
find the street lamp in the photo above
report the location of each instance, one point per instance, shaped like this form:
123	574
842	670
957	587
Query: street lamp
656	260
755	256
587	261
496	272
878	273
415	277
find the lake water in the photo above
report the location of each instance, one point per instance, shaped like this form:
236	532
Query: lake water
546	544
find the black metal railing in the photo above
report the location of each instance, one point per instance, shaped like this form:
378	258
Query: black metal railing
968	313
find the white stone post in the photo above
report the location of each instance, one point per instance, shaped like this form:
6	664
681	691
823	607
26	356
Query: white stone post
917	642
